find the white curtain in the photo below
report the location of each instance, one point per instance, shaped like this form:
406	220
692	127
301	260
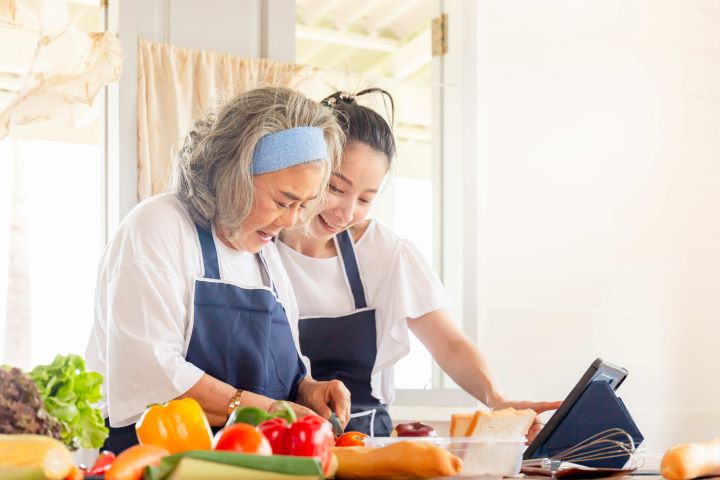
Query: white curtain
177	85
51	66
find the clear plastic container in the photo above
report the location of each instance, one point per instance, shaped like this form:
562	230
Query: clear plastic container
479	456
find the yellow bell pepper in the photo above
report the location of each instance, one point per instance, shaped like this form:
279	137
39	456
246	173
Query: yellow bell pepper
177	426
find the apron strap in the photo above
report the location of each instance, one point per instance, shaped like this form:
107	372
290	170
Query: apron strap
346	250
209	253
265	272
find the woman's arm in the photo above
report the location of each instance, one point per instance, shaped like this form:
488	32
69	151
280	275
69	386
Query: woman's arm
456	355
462	360
214	397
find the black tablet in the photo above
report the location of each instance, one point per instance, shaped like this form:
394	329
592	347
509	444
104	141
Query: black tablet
599	371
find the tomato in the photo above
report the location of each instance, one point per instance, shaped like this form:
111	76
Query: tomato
243	438
351	439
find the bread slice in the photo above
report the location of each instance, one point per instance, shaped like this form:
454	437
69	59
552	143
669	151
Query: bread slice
506	424
460	424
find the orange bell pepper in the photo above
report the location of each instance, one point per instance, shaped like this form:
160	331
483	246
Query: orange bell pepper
177	426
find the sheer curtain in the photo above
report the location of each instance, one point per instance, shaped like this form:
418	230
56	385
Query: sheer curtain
177	85
54	60
50	66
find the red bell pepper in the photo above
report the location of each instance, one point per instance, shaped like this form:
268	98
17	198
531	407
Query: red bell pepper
102	464
310	436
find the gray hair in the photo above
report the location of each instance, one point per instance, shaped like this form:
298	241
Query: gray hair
212	174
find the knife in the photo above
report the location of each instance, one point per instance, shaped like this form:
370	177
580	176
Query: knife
336	425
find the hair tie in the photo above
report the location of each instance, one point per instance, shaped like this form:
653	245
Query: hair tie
348	97
345	97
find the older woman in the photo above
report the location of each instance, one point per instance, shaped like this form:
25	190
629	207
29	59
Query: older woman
192	299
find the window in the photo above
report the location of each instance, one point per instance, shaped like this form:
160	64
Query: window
53	237
52	227
365	44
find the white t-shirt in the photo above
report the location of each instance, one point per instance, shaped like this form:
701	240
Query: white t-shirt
144	305
399	283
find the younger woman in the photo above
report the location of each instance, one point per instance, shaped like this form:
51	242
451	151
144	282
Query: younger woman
360	287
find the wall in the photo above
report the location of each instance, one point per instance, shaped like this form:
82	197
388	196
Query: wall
597	192
250	28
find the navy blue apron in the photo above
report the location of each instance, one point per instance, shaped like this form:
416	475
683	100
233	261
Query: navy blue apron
240	336
345	347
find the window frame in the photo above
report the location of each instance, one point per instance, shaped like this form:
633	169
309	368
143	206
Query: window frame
455	163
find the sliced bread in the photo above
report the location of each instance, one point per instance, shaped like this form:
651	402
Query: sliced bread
505	424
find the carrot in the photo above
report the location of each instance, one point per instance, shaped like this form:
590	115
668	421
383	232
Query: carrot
75	474
691	460
131	463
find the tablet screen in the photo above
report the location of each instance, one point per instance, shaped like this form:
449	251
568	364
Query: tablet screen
598	371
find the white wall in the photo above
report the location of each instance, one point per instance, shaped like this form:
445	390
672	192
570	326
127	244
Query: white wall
598	190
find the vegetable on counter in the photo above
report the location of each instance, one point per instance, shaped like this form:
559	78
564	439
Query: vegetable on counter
351	439
242	438
76	473
691	460
414	429
255	416
131	463
27	455
102	463
21	407
194	469
250	415
179	467
69	393
282	409
310	436
177	426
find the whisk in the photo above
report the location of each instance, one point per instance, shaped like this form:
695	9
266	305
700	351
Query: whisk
611	443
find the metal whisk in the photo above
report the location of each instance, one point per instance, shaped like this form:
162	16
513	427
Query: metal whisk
612	443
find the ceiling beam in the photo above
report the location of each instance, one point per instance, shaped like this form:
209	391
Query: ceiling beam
410	58
312	15
348	39
357	11
340	60
318	58
392	13
307	53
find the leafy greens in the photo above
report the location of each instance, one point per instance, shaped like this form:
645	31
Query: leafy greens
69	392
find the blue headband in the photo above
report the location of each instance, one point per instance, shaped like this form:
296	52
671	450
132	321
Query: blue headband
288	148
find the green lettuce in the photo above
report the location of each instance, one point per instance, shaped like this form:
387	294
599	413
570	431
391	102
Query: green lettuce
69	393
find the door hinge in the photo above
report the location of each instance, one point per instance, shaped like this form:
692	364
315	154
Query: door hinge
440	35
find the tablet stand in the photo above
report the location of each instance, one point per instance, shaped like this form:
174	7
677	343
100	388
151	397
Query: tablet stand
597	410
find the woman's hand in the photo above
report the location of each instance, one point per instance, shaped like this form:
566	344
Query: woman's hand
539	408
324	396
